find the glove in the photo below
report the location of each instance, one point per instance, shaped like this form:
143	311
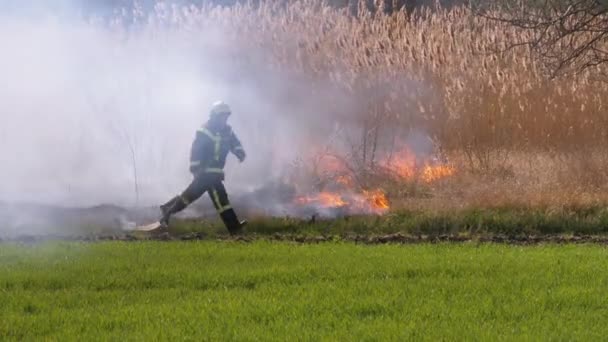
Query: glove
240	154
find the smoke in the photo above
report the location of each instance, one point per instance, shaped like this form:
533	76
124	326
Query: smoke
103	109
100	104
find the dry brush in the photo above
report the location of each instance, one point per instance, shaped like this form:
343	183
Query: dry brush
515	136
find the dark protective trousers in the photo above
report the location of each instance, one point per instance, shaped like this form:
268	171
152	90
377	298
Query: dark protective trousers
213	184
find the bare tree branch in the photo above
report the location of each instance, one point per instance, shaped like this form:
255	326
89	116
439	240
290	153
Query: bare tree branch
568	36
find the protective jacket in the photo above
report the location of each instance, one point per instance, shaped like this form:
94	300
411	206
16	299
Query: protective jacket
210	149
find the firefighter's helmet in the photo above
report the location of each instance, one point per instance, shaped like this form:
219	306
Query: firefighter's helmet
220	107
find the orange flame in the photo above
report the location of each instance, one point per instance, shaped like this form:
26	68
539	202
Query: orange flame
369	201
377	199
434	173
406	166
344	193
325	199
403	164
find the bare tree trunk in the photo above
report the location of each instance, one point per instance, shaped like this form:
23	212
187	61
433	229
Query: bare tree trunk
375	145
365	133
135	178
377	123
393	142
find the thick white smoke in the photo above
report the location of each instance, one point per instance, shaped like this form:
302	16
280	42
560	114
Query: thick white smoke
104	111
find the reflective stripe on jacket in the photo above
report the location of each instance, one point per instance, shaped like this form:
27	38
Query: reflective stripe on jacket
210	149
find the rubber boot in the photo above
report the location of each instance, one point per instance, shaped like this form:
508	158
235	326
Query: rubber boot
231	221
175	205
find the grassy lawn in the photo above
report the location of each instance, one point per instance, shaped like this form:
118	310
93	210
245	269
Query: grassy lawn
281	291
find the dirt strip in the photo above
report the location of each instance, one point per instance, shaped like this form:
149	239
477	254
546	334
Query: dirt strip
397	238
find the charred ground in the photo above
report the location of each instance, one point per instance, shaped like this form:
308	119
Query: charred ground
507	224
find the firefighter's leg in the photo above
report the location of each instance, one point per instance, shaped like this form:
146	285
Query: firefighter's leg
219	197
178	203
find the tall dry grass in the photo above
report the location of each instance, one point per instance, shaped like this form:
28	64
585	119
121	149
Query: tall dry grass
515	136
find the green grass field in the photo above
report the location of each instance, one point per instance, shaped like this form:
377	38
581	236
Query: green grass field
282	291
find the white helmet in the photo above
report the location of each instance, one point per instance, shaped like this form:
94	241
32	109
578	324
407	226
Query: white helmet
219	107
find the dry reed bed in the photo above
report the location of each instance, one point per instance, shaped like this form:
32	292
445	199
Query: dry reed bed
517	137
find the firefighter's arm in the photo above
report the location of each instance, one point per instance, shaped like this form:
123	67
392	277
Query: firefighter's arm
237	148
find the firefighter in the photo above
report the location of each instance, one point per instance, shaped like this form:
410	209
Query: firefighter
208	155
